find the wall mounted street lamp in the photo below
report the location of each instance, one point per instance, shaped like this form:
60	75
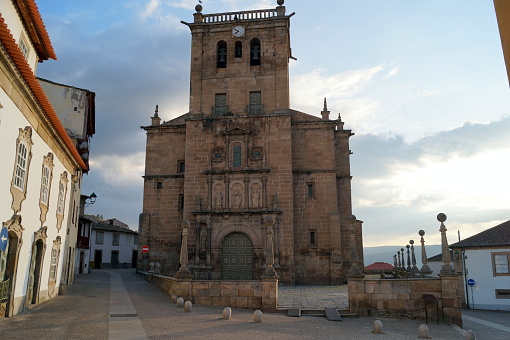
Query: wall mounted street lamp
91	199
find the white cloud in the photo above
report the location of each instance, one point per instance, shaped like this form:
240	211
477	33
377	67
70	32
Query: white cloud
429	93
392	72
316	84
118	170
186	4
149	10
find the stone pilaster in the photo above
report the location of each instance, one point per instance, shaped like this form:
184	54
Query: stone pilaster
451	301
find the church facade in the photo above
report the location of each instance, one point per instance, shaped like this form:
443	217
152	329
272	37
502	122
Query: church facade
247	171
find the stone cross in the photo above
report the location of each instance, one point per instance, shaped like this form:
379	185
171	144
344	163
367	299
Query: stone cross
446	268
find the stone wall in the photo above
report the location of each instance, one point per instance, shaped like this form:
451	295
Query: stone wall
257	294
404	298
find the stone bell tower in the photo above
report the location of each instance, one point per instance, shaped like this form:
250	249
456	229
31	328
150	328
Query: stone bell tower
240	62
266	189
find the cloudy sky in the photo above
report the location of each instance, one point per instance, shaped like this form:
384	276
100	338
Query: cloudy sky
422	84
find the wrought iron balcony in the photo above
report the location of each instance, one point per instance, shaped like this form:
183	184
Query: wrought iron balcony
255	109
220	110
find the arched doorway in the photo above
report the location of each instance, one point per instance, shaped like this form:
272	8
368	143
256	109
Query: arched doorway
36	261
35	272
10	265
237	257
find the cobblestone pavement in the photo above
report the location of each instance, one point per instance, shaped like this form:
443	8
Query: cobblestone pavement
313	297
493	325
84	313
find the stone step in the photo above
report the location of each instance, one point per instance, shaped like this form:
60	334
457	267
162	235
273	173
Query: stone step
296	312
332	314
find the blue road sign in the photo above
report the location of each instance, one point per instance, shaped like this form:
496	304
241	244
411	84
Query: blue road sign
4	238
471	282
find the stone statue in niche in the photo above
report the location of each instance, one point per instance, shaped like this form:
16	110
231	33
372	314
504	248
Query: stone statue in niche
255	199
238	199
218	199
203	240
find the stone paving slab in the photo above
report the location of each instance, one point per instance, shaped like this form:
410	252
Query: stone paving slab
80	314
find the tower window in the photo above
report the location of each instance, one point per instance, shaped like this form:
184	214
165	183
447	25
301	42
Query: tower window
239	49
220	104
255	52
309	190
313	237
181	166
255	103
159	185
237	156
222	55
180	202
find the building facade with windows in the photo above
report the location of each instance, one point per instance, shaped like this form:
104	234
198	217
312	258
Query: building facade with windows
112	245
485	258
251	175
41	169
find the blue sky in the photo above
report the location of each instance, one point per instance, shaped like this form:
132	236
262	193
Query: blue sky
422	84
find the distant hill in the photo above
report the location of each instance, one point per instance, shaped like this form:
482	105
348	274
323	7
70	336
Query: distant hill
385	253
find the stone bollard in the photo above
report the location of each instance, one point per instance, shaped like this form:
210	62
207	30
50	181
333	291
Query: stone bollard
378	329
187	306
227	313
470	335
257	316
174	298
180	302
423	332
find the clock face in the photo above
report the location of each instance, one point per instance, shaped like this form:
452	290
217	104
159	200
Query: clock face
238	31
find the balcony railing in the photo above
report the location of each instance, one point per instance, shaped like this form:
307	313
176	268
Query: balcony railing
83	242
220	110
244	15
255	109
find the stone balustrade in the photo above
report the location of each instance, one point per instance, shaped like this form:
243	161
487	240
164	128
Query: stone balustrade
243	15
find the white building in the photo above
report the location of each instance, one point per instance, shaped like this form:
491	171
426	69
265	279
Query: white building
112	246
75	108
486	262
41	167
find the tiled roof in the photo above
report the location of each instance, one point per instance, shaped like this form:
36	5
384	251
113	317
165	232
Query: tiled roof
35	27
498	236
112	228
8	42
379	266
